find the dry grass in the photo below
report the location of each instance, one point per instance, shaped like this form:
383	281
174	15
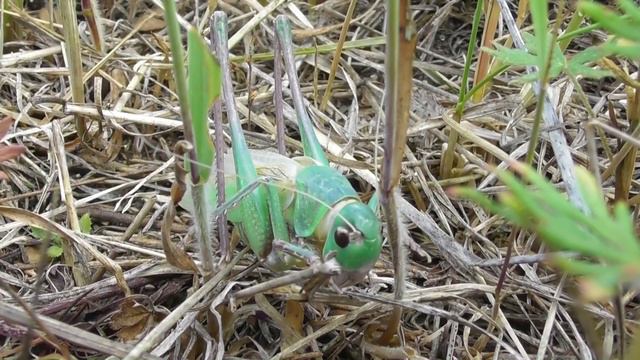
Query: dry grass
122	176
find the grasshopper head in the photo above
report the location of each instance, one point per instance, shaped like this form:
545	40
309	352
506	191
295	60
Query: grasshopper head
356	240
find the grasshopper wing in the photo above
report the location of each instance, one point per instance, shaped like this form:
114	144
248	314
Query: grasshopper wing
318	189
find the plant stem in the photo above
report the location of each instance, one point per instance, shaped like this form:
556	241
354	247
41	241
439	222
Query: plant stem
198	194
223	232
177	56
542	83
401	40
72	47
447	158
278	101
337	55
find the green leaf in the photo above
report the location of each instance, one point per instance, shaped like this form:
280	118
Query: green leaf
623	47
550	197
589	72
631	9
43	235
578	64
479	198
591	193
525	196
85	223
564	234
54	251
511	56
610	241
610	21
579	267
204	88
540	19
531	57
605	277
625	39
39	233
626	230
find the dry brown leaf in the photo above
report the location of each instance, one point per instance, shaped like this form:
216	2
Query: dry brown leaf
175	255
72	145
132	320
8	152
43	14
226	315
294	317
290	335
115	145
150	24
238	345
33	255
118	82
5	125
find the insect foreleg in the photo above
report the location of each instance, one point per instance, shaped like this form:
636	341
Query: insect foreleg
301	252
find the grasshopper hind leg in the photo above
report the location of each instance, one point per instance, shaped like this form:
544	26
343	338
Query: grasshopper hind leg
310	142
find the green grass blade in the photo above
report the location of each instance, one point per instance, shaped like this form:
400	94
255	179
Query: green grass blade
626	229
540	19
486	203
477	15
631	9
204	89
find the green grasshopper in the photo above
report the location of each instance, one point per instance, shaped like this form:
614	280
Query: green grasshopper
288	210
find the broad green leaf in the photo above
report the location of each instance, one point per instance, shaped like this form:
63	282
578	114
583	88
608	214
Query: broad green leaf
204	88
600	221
511	209
623	217
85	224
588	55
54	251
626	229
625	39
609	240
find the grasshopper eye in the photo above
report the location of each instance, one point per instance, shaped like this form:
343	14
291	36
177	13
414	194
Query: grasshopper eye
342	237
